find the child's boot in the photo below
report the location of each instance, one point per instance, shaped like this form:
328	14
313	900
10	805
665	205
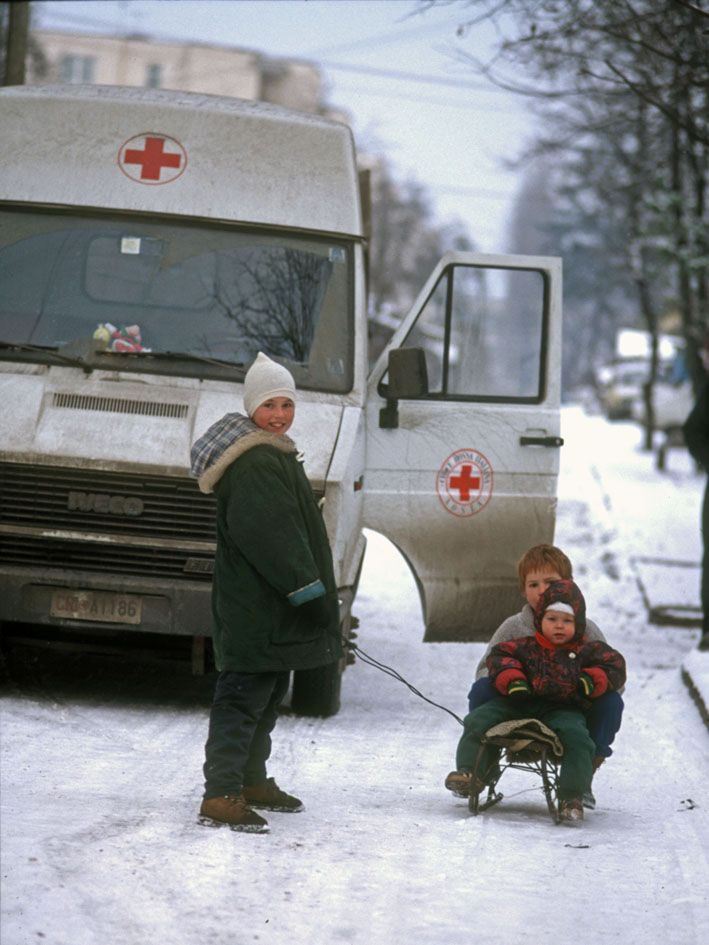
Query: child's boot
588	799
462	783
571	809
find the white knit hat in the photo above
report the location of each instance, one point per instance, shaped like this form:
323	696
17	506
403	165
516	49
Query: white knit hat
561	607
266	379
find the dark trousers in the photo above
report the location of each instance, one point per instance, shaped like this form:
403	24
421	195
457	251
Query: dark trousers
705	565
603	718
243	715
576	768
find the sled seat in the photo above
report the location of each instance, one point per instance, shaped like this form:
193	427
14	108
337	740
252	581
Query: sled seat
525	745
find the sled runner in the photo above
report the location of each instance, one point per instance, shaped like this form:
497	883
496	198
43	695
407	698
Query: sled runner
525	745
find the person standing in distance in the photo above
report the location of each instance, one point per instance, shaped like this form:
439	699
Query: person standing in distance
696	436
274	598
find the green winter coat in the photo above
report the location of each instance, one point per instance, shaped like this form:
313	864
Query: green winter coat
273	555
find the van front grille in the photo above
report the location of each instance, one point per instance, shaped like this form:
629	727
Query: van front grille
171	512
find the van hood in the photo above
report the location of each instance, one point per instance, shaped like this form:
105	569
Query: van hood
132	424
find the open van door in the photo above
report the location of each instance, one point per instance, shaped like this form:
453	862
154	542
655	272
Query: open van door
463	435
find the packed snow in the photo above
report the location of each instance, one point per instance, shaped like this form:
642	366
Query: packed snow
101	772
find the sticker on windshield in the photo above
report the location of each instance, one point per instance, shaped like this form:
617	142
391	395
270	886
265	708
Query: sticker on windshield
464	482
152	158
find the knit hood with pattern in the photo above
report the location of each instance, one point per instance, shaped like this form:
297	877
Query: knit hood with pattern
562	592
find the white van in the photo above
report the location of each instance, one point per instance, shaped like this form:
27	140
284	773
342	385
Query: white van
151	243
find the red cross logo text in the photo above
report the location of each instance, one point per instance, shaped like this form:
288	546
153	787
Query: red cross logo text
152	158
464	483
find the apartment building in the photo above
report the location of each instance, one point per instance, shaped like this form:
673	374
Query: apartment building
189	67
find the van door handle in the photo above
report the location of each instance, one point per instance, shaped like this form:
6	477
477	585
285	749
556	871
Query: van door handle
541	441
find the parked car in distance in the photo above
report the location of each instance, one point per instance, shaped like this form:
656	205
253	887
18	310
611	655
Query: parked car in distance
672	403
620	386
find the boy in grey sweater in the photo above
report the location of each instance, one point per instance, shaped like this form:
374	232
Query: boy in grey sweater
539	567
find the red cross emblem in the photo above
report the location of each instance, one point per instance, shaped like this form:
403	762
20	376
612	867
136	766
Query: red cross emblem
464	482
152	158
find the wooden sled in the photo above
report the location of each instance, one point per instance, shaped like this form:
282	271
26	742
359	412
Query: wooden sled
525	745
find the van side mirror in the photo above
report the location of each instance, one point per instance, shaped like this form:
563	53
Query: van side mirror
408	377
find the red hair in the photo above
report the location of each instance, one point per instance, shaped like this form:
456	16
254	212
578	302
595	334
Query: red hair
540	557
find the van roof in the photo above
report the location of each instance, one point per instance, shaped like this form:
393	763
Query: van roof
241	161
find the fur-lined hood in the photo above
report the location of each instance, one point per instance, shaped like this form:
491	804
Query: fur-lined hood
224	442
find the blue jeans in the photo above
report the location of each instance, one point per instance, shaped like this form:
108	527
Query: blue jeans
602	719
243	715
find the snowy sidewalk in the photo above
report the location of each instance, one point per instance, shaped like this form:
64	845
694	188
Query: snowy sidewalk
651	520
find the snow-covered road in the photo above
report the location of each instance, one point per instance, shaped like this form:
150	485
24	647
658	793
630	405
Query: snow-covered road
101	777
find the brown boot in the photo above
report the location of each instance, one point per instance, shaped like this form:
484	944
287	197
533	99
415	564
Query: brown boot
571	810
233	811
268	796
462	783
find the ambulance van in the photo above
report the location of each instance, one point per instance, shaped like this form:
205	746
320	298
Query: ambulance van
151	244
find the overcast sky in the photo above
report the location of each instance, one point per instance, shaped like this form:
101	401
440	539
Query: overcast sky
394	70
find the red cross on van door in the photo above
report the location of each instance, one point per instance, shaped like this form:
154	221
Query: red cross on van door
152	158
465	482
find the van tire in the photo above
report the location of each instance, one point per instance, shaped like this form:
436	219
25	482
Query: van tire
316	692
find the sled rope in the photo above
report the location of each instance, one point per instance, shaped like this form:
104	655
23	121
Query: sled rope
389	671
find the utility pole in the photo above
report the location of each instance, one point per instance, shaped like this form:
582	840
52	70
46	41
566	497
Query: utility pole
16	49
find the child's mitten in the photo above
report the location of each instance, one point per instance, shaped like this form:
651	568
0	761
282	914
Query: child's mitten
586	685
519	690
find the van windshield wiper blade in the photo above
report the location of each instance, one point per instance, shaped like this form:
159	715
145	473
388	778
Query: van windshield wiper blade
186	356
77	361
48	350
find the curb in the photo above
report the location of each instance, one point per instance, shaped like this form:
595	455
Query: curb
695	675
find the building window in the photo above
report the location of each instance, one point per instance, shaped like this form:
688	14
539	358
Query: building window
77	69
153	78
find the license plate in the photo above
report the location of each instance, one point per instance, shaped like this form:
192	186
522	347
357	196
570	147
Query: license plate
96	605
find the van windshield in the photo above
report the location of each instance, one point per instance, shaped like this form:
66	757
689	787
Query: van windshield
166	297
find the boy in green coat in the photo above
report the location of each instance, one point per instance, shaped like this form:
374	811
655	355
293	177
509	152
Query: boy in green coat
274	598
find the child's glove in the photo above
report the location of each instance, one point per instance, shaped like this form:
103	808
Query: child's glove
586	685
519	690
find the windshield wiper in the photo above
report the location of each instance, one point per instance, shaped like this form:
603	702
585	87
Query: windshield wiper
184	356
92	348
48	350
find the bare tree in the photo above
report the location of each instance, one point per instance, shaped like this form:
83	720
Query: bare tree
406	242
625	86
273	298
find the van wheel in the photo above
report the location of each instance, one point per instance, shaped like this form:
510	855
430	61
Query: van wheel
317	691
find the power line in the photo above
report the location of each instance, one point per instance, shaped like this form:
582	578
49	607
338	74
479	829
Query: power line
410	76
398	75
469	105
387	38
46	17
